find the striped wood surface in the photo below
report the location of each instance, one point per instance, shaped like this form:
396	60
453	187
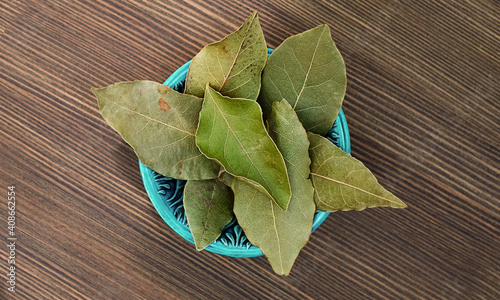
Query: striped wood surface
423	109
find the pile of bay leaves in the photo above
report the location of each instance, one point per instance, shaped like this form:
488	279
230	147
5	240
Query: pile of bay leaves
247	134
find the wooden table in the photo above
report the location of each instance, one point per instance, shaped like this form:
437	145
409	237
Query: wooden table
423	110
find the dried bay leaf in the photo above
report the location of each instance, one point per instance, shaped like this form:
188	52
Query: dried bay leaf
160	124
232	132
233	65
291	139
308	71
280	234
342	182
209	208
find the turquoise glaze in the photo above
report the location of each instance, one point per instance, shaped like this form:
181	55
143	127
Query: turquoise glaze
166	193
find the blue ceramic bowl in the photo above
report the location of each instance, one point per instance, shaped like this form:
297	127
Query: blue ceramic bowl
166	193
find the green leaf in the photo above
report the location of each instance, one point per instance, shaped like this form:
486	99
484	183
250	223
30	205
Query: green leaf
308	71
209	208
232	132
160	125
233	65
291	139
342	182
280	234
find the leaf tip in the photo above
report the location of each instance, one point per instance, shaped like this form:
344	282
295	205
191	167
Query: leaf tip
281	270
252	16
96	90
395	202
200	248
97	94
399	204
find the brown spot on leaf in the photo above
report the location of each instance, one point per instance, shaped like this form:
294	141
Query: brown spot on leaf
180	167
314	122
324	120
180	173
163	105
163	89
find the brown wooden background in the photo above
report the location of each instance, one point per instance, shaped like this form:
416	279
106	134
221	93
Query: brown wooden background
423	107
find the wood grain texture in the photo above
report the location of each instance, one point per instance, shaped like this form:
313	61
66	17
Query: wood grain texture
423	109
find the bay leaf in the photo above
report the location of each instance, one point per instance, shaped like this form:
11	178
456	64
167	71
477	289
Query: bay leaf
291	139
160	124
342	182
208	205
280	234
308	71
232	66
232	132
